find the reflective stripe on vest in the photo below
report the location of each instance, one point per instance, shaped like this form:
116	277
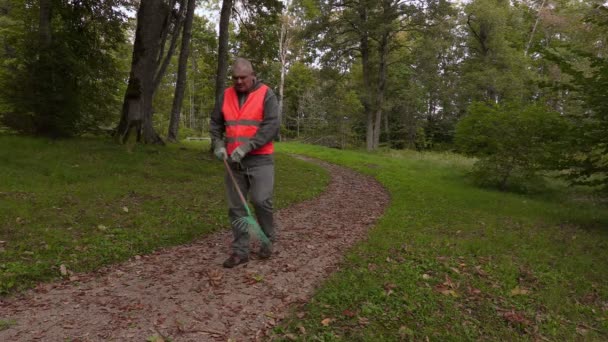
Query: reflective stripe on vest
243	123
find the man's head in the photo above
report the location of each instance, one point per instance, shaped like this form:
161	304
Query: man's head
243	76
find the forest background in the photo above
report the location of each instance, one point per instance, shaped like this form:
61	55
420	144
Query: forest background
521	85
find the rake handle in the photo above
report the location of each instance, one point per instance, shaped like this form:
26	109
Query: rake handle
236	185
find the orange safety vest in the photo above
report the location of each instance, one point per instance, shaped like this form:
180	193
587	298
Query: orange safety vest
243	123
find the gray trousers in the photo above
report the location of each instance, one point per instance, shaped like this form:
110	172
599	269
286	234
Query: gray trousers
257	182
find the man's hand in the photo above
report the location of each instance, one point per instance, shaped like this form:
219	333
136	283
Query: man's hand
240	152
220	153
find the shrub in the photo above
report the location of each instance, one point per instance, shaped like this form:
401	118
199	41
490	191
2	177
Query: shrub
513	143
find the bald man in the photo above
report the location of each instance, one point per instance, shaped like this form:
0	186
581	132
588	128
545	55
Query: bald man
243	125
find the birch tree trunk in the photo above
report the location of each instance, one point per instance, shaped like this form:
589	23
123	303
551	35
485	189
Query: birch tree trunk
283	42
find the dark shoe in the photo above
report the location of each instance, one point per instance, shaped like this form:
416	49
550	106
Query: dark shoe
265	251
235	260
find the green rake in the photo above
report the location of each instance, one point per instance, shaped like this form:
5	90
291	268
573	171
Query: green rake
247	223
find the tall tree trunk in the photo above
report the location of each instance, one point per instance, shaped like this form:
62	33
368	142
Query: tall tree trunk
542	5
283	49
44	29
182	69
383	53
152	22
44	74
364	46
222	50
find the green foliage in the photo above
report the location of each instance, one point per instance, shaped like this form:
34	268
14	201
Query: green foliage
75	84
513	143
587	85
452	262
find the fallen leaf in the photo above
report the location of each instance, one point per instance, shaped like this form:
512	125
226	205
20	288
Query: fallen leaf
405	331
63	270
480	271
455	270
388	287
215	277
473	291
326	322
291	337
445	291
449	283
302	329
581	330
102	227
426	276
515	317
363	321
125	209
519	291
349	313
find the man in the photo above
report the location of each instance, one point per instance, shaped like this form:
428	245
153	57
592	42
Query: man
243	125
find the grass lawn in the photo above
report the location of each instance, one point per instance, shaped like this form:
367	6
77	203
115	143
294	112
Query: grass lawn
85	203
452	262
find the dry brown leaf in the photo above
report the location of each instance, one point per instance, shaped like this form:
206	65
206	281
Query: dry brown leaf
480	272
326	322
515	317
291	337
517	291
349	313
215	277
363	321
473	291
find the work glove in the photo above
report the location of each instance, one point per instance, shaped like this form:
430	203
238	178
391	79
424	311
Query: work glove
240	152
220	153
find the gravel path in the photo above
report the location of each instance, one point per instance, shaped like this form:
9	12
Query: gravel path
183	293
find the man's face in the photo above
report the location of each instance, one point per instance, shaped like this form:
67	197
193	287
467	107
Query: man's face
243	79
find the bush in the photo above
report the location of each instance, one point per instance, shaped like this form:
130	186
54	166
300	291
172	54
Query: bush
513	143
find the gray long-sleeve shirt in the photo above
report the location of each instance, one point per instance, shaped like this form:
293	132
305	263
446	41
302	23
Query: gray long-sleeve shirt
268	130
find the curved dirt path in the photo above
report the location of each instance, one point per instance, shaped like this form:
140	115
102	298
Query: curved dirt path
184	294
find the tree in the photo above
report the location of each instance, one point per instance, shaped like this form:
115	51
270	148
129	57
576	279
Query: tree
366	30
59	73
587	160
496	69
513	142
180	86
157	20
222	49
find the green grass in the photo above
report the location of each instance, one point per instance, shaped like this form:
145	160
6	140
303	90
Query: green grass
5	324
452	262
86	203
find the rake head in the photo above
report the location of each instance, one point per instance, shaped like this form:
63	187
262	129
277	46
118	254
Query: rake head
250	225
